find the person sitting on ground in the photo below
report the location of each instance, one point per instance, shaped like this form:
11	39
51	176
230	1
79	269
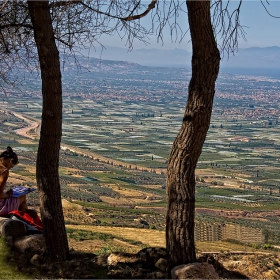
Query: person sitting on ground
8	159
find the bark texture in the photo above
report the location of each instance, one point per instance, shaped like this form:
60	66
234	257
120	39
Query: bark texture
51	129
188	144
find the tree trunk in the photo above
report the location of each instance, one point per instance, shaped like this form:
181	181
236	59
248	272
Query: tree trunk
51	129
188	144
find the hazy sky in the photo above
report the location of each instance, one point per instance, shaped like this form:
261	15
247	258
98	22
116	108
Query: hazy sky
262	29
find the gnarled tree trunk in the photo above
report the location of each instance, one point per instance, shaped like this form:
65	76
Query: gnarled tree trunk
188	144
51	130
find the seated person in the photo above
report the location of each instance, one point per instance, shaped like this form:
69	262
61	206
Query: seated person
8	159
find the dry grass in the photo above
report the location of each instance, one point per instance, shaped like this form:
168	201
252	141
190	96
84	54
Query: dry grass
129	196
125	200
128	192
25	141
31	169
148	237
158	209
221	246
67	205
16	179
74	185
153	187
92	246
153	238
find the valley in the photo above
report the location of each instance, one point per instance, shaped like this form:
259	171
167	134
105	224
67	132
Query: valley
119	122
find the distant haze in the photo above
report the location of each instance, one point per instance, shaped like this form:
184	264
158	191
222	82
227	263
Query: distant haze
253	61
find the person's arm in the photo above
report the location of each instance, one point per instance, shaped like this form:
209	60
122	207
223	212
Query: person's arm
3	179
7	194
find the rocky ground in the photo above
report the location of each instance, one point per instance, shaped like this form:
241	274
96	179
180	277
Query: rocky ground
148	263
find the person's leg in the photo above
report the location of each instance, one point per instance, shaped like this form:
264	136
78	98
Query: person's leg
22	203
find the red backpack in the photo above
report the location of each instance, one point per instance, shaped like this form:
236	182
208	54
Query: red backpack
29	217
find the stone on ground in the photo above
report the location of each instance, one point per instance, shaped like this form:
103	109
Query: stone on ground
194	271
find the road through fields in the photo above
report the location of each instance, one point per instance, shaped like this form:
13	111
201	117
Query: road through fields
34	124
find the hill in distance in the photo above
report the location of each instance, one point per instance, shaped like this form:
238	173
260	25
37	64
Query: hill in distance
251	61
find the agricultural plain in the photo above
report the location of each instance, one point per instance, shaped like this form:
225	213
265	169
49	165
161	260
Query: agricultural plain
119	122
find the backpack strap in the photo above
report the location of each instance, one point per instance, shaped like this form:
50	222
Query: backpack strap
3	170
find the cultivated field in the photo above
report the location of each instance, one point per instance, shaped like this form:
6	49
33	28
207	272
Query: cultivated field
115	148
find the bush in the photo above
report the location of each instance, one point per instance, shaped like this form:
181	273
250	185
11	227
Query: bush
267	246
256	246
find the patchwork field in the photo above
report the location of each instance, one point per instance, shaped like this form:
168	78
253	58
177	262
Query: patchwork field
117	137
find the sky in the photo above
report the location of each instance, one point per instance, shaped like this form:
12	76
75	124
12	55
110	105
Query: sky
262	30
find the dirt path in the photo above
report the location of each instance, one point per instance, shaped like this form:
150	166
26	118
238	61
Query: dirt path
31	124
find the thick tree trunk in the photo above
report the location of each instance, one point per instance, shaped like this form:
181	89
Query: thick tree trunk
51	129
188	144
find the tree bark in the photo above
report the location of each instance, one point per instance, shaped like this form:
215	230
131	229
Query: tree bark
51	130
188	144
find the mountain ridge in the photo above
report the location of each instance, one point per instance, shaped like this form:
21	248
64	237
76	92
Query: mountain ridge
253	60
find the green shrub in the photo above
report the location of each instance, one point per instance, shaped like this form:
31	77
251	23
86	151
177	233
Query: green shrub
267	246
256	246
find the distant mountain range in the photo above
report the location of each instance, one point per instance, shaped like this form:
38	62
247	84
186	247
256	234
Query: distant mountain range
248	60
146	57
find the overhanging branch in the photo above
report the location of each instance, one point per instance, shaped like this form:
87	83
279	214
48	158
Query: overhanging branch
129	18
69	45
268	10
150	7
